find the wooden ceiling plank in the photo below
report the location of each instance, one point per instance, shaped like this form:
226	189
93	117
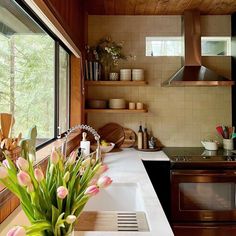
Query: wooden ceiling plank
159	7
109	6
130	7
150	7
140	7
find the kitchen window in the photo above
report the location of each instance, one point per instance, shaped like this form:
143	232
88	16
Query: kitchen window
34	74
164	46
216	46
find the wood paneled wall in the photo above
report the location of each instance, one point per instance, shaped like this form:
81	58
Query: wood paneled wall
72	17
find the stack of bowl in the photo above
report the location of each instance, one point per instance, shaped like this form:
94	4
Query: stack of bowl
117	103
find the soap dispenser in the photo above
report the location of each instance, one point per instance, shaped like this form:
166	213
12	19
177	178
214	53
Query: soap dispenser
85	145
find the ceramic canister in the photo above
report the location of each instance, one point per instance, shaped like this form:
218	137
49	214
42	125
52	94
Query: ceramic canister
137	74
125	74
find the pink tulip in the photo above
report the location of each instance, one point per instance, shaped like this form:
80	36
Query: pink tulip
23	178
17	231
3	172
5	163
70	219
30	188
102	169
104	181
93	181
54	156
22	164
72	158
62	192
38	174
91	190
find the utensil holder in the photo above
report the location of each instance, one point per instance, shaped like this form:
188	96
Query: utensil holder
228	144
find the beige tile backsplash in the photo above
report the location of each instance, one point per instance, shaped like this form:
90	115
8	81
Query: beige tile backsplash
177	116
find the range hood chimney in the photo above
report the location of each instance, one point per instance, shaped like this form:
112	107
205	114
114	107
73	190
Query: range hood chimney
193	73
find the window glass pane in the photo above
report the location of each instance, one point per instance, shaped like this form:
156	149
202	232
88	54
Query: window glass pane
26	72
216	46
163	46
63	90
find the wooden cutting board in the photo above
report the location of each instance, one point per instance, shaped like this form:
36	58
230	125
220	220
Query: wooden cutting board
130	138
112	132
7	122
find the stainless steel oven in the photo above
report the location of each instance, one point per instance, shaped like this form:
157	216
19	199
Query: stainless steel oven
203	195
203	192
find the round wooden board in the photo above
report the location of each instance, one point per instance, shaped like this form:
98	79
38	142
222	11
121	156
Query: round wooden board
130	138
148	149
113	133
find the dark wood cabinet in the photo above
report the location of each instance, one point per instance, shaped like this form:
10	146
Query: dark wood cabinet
159	174
203	230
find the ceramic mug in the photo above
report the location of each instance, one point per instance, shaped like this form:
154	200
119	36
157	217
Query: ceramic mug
228	144
139	106
131	106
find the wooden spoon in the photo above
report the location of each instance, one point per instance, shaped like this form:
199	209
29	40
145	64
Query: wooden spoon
6	123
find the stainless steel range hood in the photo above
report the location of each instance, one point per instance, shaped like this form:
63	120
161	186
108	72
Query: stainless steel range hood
193	73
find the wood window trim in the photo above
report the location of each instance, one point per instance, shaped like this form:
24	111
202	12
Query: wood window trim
45	14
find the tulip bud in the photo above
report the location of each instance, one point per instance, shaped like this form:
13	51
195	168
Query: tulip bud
91	190
5	163
3	172
70	219
93	181
54	156
86	162
17	231
30	188
66	176
102	169
38	174
22	164
62	192
23	178
72	158
104	181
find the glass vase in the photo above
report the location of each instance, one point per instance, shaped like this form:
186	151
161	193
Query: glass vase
106	71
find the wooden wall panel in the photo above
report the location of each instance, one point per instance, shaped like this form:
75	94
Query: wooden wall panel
159	7
77	93
71	15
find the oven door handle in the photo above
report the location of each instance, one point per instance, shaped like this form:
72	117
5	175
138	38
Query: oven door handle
231	173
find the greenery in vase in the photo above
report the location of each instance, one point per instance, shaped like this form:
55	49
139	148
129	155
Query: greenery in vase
53	201
108	52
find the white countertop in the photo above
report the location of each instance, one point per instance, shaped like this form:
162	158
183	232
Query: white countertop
124	167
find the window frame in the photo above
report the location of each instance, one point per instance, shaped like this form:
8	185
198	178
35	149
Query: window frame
58	43
226	39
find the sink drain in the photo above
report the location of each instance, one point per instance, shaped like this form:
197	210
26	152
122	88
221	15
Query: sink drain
112	221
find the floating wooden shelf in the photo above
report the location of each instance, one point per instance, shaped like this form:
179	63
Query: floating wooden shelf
115	111
116	83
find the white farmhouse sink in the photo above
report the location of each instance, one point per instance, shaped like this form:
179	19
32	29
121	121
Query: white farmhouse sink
117	197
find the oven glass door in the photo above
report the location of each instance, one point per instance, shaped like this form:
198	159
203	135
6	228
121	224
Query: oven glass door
203	195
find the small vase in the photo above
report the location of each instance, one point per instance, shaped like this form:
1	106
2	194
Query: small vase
106	72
